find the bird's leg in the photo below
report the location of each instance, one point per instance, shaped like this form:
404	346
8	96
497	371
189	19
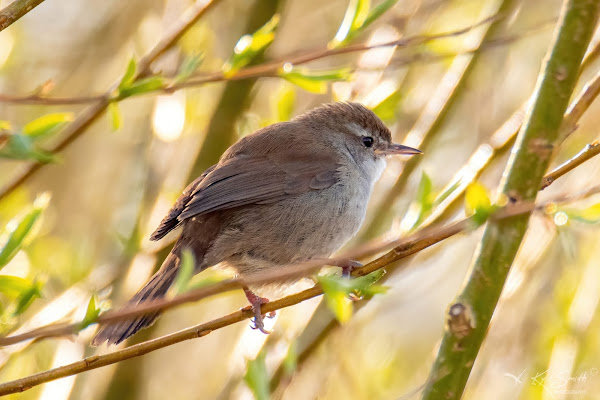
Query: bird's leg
347	265
256	302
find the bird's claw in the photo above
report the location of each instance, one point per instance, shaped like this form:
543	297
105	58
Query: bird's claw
256	303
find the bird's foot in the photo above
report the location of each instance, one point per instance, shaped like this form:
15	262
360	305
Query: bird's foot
347	265
256	303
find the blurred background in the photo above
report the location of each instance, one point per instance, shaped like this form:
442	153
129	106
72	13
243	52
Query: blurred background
108	190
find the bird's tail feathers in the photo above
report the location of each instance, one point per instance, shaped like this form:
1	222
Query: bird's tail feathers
156	288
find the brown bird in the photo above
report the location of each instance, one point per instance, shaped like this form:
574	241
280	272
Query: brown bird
290	192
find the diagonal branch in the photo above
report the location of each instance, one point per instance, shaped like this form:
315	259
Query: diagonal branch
403	248
15	10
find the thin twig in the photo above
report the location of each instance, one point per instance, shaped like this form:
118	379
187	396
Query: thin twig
15	10
93	112
588	152
267	69
36	99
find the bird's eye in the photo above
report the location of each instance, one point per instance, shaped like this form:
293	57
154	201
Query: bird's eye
367	141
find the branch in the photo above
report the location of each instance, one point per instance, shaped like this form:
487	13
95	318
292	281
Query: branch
469	317
15	10
37	99
402	249
588	152
89	115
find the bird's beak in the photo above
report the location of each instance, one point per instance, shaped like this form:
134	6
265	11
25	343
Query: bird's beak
395	149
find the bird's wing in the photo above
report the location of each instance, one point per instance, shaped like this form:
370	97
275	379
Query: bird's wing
244	180
170	221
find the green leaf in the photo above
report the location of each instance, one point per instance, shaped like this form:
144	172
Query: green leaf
257	378
589	215
13	286
46	124
315	81
377	12
356	15
27	297
336	297
186	272
23	147
19	229
250	45
142	86
337	289
188	67
477	202
129	75
115	115
365	286
5	125
447	192
386	109
91	313
290	362
286	102
423	204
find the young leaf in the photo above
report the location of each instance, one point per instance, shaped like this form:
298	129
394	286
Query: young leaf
336	297
27	297
186	272
337	290
589	215
477	202
424	192
257	378
286	102
188	67
365	286
250	45
314	81
129	75
422	205
5	125
91	313
386	110
13	286
355	16
46	124
115	115
23	147
290	362
377	12
141	86
19	228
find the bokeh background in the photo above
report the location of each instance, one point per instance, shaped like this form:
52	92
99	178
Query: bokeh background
111	187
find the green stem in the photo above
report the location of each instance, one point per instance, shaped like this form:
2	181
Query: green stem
469	317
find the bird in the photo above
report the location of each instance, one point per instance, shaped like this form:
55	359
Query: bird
290	192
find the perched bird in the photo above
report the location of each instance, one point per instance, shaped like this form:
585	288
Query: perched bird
290	192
